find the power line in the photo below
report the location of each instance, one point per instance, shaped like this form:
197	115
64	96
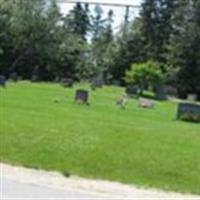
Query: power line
100	2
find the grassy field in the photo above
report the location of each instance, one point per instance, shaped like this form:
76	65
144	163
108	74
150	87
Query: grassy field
41	127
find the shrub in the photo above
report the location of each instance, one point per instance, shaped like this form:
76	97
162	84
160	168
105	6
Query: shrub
144	75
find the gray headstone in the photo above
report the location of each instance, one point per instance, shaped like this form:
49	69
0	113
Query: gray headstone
132	90
192	97
160	92
81	96
188	110
2	81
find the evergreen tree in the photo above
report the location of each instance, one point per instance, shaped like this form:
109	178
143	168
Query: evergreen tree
97	24
102	41
6	41
156	27
184	50
33	25
127	50
78	20
35	41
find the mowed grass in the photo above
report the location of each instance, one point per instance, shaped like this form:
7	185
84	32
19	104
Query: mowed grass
41	127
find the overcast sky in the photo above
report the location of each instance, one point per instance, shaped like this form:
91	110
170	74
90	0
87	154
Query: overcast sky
119	12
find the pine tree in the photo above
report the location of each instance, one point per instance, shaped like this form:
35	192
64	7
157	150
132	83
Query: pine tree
184	50
6	41
102	40
156	27
78	20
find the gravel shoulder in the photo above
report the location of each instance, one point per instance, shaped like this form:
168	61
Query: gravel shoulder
97	188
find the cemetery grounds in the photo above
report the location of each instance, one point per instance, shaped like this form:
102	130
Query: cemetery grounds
41	127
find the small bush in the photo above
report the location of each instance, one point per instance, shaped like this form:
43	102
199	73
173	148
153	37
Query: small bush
144	75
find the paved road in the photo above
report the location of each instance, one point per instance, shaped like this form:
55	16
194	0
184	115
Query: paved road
18	183
15	190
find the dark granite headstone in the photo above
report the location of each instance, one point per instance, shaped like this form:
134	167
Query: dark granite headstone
160	93
188	111
2	81
132	90
81	96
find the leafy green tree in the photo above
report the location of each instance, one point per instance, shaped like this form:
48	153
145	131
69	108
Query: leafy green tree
146	37
36	40
144	75
32	28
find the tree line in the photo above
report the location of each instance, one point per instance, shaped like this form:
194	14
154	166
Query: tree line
38	42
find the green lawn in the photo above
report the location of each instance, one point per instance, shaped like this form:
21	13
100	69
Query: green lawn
138	146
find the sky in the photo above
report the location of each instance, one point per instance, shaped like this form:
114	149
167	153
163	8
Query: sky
119	12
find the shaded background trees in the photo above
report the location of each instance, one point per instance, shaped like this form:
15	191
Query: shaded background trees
40	43
184	48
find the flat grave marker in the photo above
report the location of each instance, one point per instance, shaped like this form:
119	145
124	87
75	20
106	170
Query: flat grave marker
146	103
122	102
